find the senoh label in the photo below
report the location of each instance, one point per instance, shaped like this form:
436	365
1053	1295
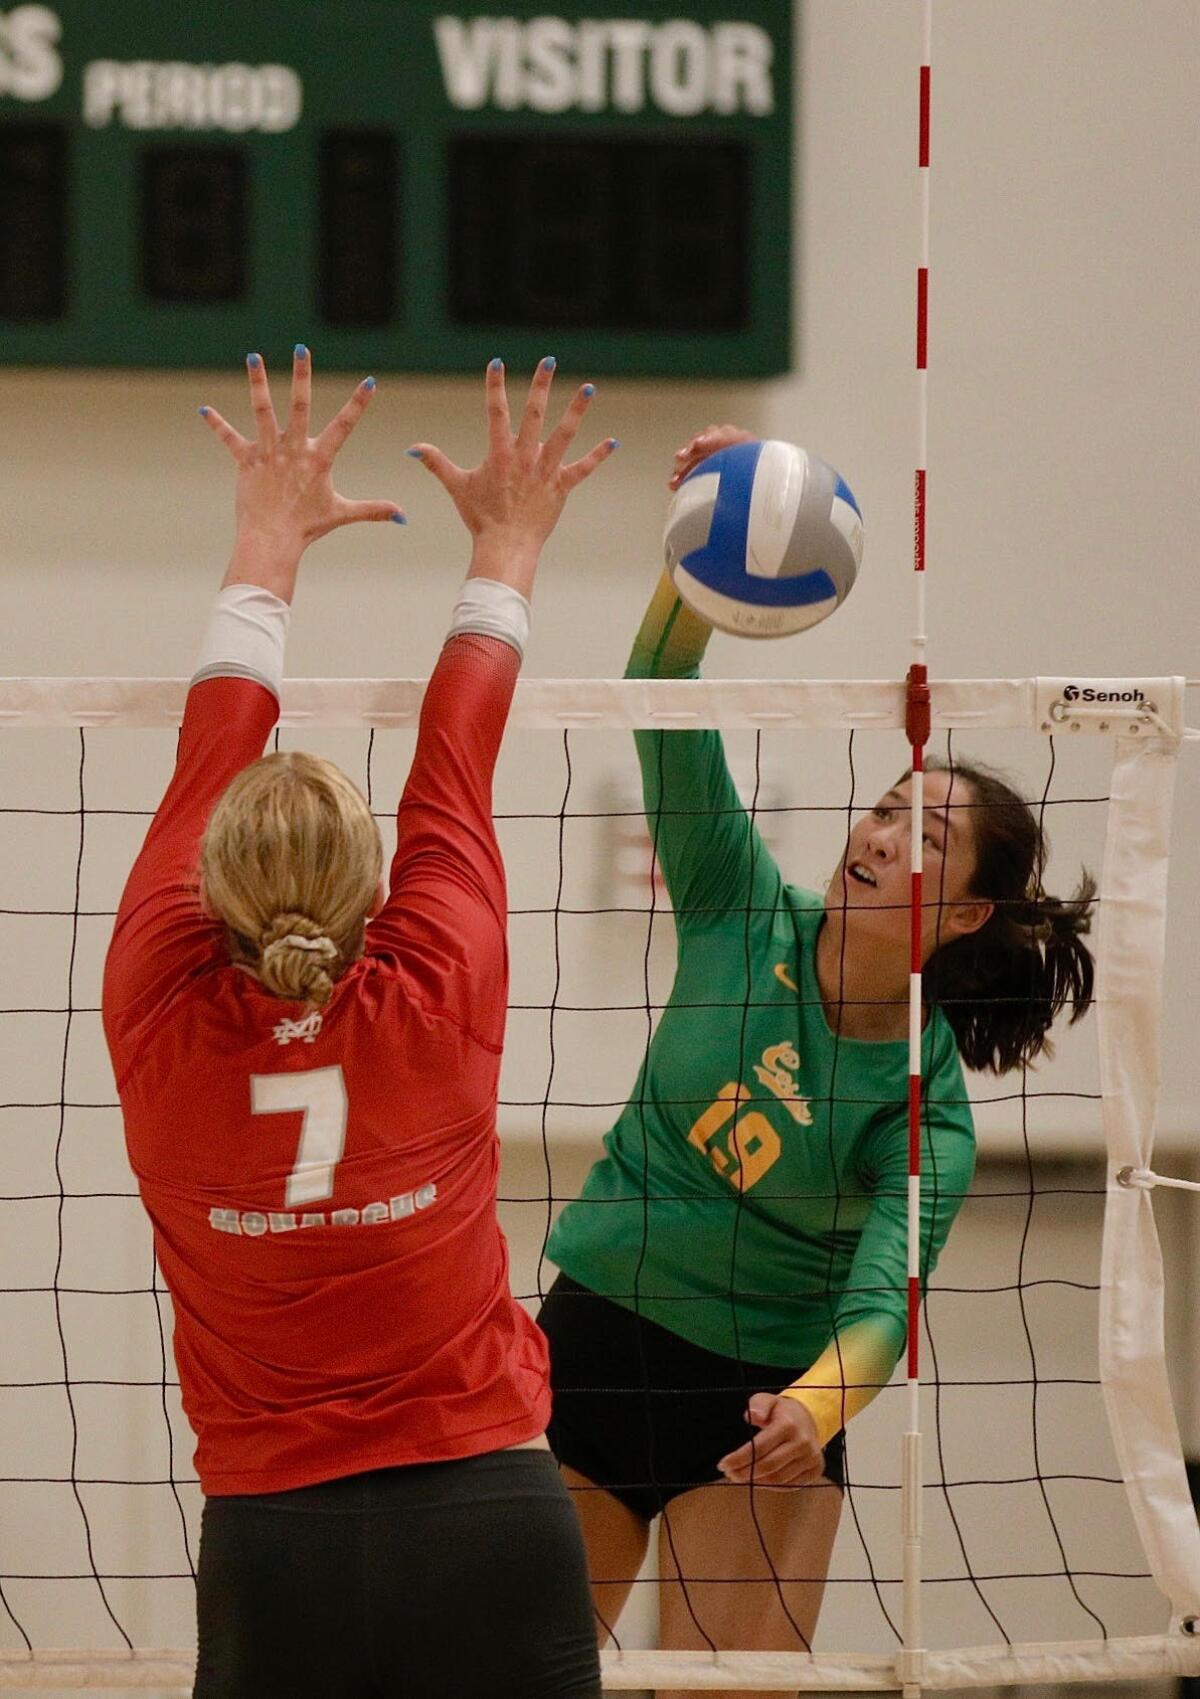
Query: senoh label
1094	693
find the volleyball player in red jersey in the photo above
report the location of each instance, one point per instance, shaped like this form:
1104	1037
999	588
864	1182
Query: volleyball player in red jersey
308	1068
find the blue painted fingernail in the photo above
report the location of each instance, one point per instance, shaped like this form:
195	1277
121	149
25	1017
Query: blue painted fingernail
614	442
300	351
496	364
549	363
253	360
368	383
589	389
399	519
416	453
204	412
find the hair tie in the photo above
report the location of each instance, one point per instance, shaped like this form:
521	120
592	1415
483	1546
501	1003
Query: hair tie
324	947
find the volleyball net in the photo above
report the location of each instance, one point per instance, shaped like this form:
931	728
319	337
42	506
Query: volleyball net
1058	1539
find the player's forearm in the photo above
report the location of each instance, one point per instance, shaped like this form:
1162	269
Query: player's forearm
490	607
849	1373
245	636
463	716
265	561
510	562
671	640
701	834
446	838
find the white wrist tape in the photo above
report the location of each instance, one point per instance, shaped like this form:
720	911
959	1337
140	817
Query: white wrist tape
491	609
246	634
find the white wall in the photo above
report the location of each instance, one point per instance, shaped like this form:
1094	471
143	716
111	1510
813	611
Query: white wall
1064	358
1063	381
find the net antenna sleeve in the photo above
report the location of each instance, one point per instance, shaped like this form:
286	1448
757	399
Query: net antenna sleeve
1130	950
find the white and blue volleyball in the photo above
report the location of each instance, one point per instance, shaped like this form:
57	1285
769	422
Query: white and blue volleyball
763	539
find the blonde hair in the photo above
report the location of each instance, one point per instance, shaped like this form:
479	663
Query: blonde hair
291	861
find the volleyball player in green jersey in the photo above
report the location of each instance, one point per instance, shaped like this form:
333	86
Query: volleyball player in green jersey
739	1254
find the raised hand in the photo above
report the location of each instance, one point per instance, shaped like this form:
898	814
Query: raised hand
511	501
704	443
285	497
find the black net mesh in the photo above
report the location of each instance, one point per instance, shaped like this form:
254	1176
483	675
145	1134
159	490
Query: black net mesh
1028	1536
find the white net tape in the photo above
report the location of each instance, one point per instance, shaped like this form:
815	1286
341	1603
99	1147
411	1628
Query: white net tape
1059	1545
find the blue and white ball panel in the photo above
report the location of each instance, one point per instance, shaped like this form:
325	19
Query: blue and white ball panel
845	515
775	496
690	516
763	539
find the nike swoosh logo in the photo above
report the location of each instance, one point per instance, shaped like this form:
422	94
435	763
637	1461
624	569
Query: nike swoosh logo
785	978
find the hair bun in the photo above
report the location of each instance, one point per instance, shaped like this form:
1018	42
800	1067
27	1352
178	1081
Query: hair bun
296	958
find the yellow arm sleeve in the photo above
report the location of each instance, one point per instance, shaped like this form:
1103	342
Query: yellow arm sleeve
852	1368
871	1321
671	640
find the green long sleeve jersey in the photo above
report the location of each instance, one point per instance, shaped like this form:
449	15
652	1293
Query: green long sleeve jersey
752	1197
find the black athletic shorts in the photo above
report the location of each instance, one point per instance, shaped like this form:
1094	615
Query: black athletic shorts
433	1581
641	1412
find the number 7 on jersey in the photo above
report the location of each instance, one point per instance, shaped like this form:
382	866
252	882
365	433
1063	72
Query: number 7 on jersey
320	1095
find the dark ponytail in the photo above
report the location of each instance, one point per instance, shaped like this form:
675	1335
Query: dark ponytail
1002	987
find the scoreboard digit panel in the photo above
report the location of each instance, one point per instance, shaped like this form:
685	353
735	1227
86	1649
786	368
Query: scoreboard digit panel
405	186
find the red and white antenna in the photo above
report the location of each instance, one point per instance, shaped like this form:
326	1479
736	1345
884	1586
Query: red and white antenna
912	1656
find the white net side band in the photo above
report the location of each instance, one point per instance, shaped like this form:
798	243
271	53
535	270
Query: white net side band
1144	1659
549	703
1145	724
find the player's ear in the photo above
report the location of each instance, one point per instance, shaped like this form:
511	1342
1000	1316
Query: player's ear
967	917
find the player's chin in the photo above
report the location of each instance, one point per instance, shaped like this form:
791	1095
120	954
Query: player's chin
843	893
838	892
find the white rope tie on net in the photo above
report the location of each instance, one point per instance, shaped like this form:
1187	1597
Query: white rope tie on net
1146	1179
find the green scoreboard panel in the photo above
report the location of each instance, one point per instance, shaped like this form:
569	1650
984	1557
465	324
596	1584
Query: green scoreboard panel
403	185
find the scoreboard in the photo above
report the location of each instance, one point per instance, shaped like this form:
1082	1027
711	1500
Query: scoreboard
401	184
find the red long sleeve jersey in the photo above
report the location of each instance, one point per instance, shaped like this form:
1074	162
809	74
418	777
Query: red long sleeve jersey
322	1183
